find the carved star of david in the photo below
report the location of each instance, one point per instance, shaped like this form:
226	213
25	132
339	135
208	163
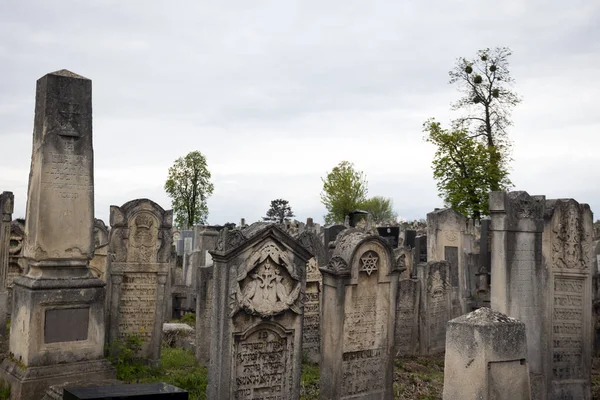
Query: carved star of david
369	264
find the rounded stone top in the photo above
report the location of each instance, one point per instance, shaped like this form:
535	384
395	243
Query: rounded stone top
486	316
346	243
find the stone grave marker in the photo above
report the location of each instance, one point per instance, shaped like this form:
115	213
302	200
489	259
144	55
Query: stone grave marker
407	317
140	247
541	274
329	235
57	328
446	241
311	335
486	358
358	319
7	201
98	263
258	285
436	303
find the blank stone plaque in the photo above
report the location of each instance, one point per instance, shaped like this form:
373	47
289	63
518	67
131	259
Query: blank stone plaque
66	325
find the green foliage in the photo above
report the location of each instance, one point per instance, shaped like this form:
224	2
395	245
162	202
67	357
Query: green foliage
188	185
279	211
472	157
309	381
190	319
463	170
344	189
381	209
125	357
4	390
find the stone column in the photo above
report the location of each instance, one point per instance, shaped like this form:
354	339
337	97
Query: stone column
203	314
6	210
518	274
486	358
57	329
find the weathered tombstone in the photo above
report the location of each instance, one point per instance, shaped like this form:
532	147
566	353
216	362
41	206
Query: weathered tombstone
7	201
541	274
57	329
486	358
446	236
140	248
391	234
485	254
311	331
329	235
17	264
409	238
358	319
568	253
98	263
259	278
436	305
407	317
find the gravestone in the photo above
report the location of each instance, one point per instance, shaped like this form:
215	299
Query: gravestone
329	235
146	391
391	234
486	358
569	255
446	241
358	319
258	285
98	263
436	305
7	201
17	264
311	331
140	248
542	263
407	317
57	328
409	238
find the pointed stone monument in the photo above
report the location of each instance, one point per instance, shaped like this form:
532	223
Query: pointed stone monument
57	329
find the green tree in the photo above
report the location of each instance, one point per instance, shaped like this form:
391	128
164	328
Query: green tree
472	157
344	189
381	209
188	185
279	211
486	103
462	168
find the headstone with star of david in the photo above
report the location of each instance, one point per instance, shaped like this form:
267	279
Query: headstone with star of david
360	286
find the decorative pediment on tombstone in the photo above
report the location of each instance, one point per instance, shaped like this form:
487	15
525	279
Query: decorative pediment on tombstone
572	247
141	232
269	270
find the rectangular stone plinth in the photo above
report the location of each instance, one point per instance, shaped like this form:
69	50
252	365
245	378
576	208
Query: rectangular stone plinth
149	391
32	382
49	319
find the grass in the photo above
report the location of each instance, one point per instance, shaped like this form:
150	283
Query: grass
178	368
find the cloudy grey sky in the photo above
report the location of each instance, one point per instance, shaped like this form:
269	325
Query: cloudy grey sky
275	93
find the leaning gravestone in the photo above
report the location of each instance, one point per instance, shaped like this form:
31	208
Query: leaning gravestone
6	210
57	329
140	248
311	333
259	280
358	319
407	317
541	274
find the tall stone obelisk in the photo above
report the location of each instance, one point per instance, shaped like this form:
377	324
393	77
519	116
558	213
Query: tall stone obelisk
57	327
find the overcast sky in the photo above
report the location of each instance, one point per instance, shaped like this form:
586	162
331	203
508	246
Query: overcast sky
276	93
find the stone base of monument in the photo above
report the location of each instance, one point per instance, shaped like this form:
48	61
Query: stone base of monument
148	391
56	335
32	382
486	358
